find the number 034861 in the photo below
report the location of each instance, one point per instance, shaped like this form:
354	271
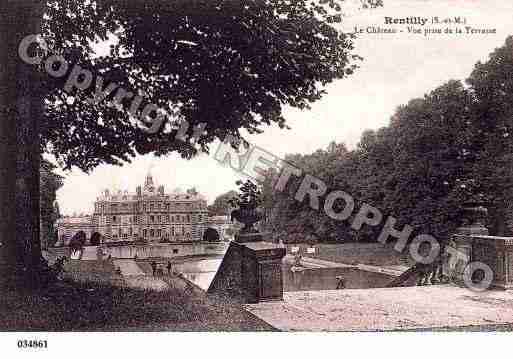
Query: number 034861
32	344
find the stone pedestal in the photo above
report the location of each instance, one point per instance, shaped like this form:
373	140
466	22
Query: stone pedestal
251	272
463	240
261	272
463	245
249	237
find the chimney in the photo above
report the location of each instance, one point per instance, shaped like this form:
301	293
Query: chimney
139	191
161	190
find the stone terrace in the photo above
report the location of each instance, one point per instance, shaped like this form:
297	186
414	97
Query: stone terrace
383	309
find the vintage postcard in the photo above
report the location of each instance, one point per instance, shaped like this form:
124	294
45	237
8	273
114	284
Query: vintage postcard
228	166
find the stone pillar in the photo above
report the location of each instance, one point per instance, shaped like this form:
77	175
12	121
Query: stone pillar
497	253
462	241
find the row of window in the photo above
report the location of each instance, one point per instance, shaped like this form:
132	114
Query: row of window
138	206
151	219
152	233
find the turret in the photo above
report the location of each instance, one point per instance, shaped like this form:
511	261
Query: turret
148	183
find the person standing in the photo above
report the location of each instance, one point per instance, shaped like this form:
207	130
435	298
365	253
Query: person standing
341	282
154	267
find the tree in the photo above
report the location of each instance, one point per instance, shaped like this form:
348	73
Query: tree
49	208
492	88
211	235
439	151
295	221
221	205
96	239
21	106
78	241
229	64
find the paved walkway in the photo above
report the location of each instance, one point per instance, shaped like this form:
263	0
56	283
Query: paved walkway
386	309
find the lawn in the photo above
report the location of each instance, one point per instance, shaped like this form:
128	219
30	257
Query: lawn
71	306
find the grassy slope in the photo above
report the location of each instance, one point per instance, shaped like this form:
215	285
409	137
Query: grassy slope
101	307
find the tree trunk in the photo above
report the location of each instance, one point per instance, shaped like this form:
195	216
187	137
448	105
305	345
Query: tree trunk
21	105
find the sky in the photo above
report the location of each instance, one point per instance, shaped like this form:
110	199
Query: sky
396	68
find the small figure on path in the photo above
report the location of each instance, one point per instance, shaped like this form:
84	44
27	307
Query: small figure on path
169	267
154	267
341	282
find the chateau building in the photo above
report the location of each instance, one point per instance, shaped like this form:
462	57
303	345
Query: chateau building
149	214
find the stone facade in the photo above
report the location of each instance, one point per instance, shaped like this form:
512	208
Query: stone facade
150	214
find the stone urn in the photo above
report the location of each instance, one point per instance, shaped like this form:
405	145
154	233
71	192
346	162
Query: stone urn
247	215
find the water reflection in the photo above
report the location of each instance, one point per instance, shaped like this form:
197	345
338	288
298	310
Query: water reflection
329	278
202	273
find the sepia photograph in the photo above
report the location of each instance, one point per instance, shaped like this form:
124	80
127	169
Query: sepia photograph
177	172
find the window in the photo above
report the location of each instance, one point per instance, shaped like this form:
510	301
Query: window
152	219
159	218
131	231
175	251
152	233
114	219
145	233
167	219
159	232
188	218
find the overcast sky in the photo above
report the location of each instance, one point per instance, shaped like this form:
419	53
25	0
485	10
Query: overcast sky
396	68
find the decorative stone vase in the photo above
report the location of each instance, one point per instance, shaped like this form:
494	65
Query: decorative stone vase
247	215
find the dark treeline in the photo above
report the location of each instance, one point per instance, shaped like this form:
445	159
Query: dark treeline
451	146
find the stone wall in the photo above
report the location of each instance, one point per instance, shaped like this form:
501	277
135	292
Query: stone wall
166	250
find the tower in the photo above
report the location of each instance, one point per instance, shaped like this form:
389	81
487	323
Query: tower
148	183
